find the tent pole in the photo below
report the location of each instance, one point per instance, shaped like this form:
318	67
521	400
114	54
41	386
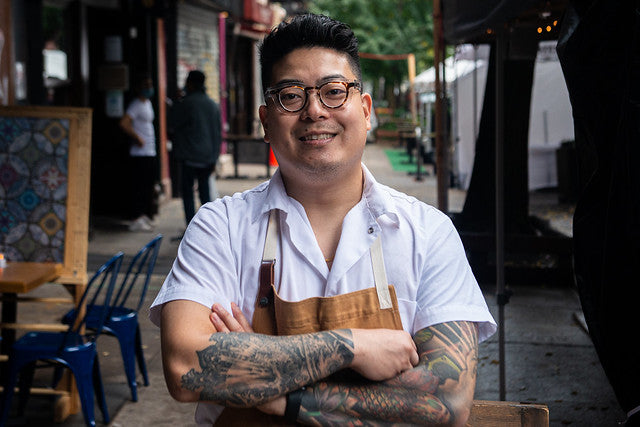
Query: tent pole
475	92
502	297
441	164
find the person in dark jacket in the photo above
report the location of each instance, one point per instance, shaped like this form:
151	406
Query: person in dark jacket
195	122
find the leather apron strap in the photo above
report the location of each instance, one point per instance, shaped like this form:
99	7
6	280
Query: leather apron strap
264	313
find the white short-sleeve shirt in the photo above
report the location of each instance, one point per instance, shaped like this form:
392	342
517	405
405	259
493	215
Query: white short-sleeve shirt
141	113
220	254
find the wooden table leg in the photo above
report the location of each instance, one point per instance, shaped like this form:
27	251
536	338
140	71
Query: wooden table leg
68	403
9	315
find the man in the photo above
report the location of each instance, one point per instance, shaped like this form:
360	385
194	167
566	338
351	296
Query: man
321	227
195	122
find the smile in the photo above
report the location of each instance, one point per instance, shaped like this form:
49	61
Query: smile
317	137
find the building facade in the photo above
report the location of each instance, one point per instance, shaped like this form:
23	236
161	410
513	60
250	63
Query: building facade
90	53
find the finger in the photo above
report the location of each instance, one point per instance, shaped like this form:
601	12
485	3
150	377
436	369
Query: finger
218	323
415	358
240	317
227	318
215	329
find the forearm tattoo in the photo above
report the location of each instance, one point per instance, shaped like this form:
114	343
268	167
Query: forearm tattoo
246	369
425	394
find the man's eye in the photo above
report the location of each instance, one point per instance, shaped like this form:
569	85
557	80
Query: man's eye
334	92
290	96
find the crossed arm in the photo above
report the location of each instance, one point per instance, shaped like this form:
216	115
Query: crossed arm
427	380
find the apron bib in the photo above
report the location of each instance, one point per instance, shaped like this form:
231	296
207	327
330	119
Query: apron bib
370	308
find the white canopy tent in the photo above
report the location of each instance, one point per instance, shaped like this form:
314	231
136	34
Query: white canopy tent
550	120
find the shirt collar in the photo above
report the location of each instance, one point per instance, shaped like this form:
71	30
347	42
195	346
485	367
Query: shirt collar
378	201
378	198
273	197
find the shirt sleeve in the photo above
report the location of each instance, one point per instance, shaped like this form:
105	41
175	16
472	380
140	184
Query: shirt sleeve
448	290
204	270
132	109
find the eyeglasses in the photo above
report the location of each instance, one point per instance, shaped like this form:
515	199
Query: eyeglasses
293	98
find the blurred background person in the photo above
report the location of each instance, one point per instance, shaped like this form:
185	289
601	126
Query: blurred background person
137	123
195	123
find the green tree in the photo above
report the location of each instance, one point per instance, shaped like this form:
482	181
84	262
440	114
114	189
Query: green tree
386	27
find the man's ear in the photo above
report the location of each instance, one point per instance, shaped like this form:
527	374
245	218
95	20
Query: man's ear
367	105
262	113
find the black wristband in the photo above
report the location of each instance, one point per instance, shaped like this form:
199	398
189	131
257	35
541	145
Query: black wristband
294	399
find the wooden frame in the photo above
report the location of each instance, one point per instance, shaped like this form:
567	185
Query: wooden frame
486	413
76	234
7	75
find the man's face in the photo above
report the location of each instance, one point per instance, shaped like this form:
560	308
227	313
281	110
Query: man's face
316	140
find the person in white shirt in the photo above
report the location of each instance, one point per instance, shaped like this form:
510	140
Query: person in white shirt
321	296
137	123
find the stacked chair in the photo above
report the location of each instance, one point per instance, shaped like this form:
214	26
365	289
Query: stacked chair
73	349
108	309
122	318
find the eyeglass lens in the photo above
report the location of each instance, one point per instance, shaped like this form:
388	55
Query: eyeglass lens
332	95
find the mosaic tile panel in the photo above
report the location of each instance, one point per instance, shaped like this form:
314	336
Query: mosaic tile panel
33	188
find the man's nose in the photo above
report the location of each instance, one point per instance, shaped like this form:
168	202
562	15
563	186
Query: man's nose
314	108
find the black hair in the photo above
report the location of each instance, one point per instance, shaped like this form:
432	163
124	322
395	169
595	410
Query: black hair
306	31
142	78
196	79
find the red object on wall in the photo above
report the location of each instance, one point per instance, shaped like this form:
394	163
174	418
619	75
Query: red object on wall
258	12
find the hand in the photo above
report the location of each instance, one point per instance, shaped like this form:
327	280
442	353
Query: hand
275	407
139	142
382	354
224	321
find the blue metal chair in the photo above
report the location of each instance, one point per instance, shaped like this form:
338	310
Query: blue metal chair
71	349
122	320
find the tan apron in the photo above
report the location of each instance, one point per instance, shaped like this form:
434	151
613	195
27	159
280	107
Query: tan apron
371	308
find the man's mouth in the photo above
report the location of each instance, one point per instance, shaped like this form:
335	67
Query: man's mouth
316	137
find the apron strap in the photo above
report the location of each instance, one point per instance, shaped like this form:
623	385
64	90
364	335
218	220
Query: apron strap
271	243
266	275
379	274
269	258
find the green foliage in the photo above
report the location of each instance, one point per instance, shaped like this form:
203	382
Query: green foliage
387	27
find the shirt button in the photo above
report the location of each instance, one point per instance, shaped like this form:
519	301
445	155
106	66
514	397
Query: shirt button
370	230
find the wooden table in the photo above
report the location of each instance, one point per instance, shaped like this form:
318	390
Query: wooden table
21	278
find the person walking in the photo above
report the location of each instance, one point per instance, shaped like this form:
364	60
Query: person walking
196	127
137	123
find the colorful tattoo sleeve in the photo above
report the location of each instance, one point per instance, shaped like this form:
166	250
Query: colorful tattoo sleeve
432	392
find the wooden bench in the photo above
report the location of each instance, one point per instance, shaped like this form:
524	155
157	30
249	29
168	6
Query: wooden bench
486	413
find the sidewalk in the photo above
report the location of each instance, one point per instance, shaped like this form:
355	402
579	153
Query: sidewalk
549	356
